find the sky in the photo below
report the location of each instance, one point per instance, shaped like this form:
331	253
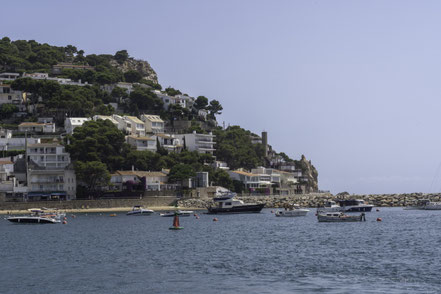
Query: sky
355	86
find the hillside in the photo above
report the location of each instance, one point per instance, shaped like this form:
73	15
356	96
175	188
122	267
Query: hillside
79	85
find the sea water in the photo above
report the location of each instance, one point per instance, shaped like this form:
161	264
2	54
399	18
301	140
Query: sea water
243	253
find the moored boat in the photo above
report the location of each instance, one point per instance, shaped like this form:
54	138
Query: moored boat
178	212
329	206
292	212
37	216
228	204
424	204
340	217
139	210
354	205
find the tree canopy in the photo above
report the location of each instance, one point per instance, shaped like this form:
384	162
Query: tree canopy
234	146
98	141
93	174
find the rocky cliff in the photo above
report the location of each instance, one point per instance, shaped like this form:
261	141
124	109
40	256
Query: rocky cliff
141	66
309	172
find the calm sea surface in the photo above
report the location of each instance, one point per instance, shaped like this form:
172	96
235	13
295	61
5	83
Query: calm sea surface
250	253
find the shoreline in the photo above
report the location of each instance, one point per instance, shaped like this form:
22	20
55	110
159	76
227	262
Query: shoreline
99	210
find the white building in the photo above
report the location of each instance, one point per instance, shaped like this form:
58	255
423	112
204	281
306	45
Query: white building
10	96
70	123
202	143
142	143
154	181
33	127
169	142
130	125
274	175
16	143
251	180
9	76
105	117
153	123
48	155
182	100
220	165
50	175
5	134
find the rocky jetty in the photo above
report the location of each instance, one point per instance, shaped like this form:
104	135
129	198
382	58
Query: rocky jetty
318	199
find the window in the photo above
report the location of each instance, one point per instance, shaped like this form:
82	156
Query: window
9	97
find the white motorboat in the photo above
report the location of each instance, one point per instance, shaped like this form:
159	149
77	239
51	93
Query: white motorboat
139	210
347	205
37	216
292	212
340	217
229	204
330	206
424	204
178	212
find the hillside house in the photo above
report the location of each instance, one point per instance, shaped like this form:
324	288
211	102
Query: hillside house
35	127
202	143
153	124
142	143
70	123
9	76
10	96
154	181
50	174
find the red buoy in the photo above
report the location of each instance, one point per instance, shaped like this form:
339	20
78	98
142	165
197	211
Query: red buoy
64	222
379	219
215	219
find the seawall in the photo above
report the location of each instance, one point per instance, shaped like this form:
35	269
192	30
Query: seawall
318	199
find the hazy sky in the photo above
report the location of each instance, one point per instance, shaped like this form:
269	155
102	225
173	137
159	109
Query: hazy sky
353	85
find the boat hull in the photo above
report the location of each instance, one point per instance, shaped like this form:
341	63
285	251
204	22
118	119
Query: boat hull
292	213
340	219
33	220
139	212
366	208
252	208
180	213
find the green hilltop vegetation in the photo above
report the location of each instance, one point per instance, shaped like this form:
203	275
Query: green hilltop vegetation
98	148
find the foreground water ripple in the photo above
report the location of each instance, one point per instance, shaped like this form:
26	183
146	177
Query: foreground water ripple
238	254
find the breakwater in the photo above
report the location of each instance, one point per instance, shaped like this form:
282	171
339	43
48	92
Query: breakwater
318	199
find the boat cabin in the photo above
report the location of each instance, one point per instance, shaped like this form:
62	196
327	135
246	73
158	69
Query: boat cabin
228	202
351	202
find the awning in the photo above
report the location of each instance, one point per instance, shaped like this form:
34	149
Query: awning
38	194
58	193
